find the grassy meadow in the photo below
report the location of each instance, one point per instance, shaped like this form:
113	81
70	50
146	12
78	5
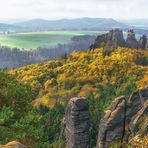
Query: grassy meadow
32	40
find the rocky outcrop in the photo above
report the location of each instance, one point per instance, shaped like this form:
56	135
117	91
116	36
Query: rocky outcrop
112	124
99	42
136	111
13	144
143	42
131	41
140	118
122	121
113	38
77	121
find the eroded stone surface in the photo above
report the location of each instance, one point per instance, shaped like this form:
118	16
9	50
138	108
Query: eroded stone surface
112	38
136	109
77	121
143	42
131	41
111	127
123	121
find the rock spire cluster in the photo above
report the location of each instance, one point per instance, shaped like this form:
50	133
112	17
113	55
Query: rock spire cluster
115	38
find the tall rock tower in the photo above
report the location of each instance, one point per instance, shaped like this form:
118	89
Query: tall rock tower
77	121
131	40
143	42
113	38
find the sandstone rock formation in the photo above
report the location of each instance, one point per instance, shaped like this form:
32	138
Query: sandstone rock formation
143	42
136	113
131	41
13	144
112	124
122	121
77	123
113	38
99	42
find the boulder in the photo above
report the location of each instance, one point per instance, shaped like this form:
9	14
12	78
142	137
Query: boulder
13	144
77	121
131	41
111	126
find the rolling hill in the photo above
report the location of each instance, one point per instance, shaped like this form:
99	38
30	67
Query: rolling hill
6	27
140	25
73	24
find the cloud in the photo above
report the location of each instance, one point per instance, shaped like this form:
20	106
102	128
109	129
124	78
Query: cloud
53	9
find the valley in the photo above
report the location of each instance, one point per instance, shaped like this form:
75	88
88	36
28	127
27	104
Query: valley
33	40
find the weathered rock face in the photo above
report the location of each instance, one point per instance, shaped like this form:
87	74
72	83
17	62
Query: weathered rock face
140	118
100	41
131	40
77	121
122	121
113	38
13	144
136	113
143	42
111	127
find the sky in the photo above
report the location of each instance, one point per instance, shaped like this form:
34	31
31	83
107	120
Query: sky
57	9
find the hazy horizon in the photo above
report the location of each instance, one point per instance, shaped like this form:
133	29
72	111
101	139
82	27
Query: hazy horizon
16	10
13	21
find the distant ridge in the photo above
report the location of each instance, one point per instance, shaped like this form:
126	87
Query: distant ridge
73	24
85	24
11	28
4	27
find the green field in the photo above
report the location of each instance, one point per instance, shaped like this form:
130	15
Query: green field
33	40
